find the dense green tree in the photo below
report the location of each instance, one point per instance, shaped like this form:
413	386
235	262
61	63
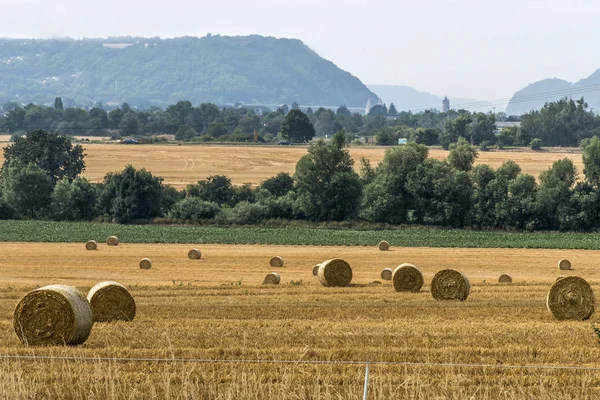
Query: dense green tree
130	124
74	201
297	127
386	198
482	128
591	162
462	155
455	129
442	195
343	111
58	103
392	111
553	205
279	185
426	136
185	133
215	189
54	154
26	187
328	187
131	195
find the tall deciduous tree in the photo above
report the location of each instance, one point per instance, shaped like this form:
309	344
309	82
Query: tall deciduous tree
26	187
328	187
297	128
54	154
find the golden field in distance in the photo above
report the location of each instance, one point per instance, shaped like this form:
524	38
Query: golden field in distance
185	164
216	308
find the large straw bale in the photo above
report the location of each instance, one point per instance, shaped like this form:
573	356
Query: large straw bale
53	315
571	298
194	254
407	278
450	284
335	273
91	245
145	263
505	278
383	245
564	265
276	262
111	301
272	279
112	241
386	274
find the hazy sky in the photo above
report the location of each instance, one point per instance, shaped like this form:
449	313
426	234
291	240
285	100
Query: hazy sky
467	48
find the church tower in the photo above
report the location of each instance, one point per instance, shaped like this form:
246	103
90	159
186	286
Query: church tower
446	104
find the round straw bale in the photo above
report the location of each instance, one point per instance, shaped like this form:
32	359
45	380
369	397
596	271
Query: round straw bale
272	279
53	315
91	245
571	298
145	263
383	245
276	262
112	241
407	278
386	274
194	254
505	278
316	270
111	301
450	284
335	272
564	265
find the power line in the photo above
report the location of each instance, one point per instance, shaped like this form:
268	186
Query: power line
302	362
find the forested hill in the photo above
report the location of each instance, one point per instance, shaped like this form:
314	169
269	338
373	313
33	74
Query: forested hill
534	96
152	71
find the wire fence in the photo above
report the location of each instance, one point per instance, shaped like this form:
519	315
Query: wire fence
297	362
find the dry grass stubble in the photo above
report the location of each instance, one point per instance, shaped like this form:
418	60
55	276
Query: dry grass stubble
197	317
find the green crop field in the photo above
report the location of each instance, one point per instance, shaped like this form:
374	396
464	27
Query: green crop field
46	231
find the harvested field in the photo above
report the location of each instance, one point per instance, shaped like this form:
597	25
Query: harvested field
182	165
215	308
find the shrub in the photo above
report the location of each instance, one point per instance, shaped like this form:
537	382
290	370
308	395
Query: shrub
536	144
194	209
243	213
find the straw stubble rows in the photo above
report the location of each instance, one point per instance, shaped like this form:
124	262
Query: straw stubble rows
216	308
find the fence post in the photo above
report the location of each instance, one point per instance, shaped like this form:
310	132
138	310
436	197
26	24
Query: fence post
366	391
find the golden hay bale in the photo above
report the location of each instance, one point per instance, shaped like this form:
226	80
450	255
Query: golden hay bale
272	279
276	262
571	298
145	263
505	278
111	301
194	254
386	274
91	245
407	278
112	241
316	270
334	273
53	315
374	283
564	265
383	245
450	284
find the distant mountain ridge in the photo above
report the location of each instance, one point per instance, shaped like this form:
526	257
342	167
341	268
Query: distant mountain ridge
406	98
535	95
153	71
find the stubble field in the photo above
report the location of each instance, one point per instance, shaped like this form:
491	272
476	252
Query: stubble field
216	308
182	165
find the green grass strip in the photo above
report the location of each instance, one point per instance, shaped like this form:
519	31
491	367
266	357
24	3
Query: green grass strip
48	231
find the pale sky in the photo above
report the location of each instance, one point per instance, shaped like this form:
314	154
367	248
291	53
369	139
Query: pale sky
464	48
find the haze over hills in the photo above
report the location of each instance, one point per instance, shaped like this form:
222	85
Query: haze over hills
535	95
153	71
406	98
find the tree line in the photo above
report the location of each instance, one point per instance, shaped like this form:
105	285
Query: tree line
40	179
562	123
